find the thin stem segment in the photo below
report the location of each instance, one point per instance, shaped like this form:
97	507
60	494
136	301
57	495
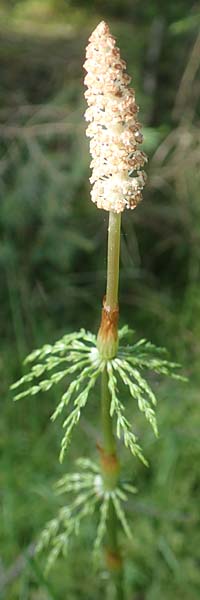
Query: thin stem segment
107	339
110	472
113	259
109	443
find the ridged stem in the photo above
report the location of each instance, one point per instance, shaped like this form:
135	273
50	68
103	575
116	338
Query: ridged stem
107	343
110	469
114	228
109	443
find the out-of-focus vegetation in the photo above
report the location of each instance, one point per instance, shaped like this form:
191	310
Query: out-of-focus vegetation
52	256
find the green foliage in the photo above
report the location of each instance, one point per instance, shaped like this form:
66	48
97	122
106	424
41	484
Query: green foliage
78	354
84	364
87	489
74	352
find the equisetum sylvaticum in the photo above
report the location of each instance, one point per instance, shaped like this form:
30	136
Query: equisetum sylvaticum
81	359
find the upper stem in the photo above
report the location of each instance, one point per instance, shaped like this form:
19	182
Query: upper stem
107	339
113	259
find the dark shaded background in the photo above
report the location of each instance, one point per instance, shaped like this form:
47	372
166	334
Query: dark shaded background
53	270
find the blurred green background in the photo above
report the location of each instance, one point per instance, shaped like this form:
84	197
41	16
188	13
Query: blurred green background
53	270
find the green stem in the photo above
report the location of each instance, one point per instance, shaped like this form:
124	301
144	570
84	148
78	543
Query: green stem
109	443
110	463
113	259
113	547
110	473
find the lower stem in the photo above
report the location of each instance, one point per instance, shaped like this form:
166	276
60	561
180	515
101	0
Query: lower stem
110	468
107	427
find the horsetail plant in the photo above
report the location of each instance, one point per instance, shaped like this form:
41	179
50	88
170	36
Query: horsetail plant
81	358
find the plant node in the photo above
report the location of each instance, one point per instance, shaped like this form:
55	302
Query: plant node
113	561
107	338
110	468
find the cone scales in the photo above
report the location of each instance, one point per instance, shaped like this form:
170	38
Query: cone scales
114	132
